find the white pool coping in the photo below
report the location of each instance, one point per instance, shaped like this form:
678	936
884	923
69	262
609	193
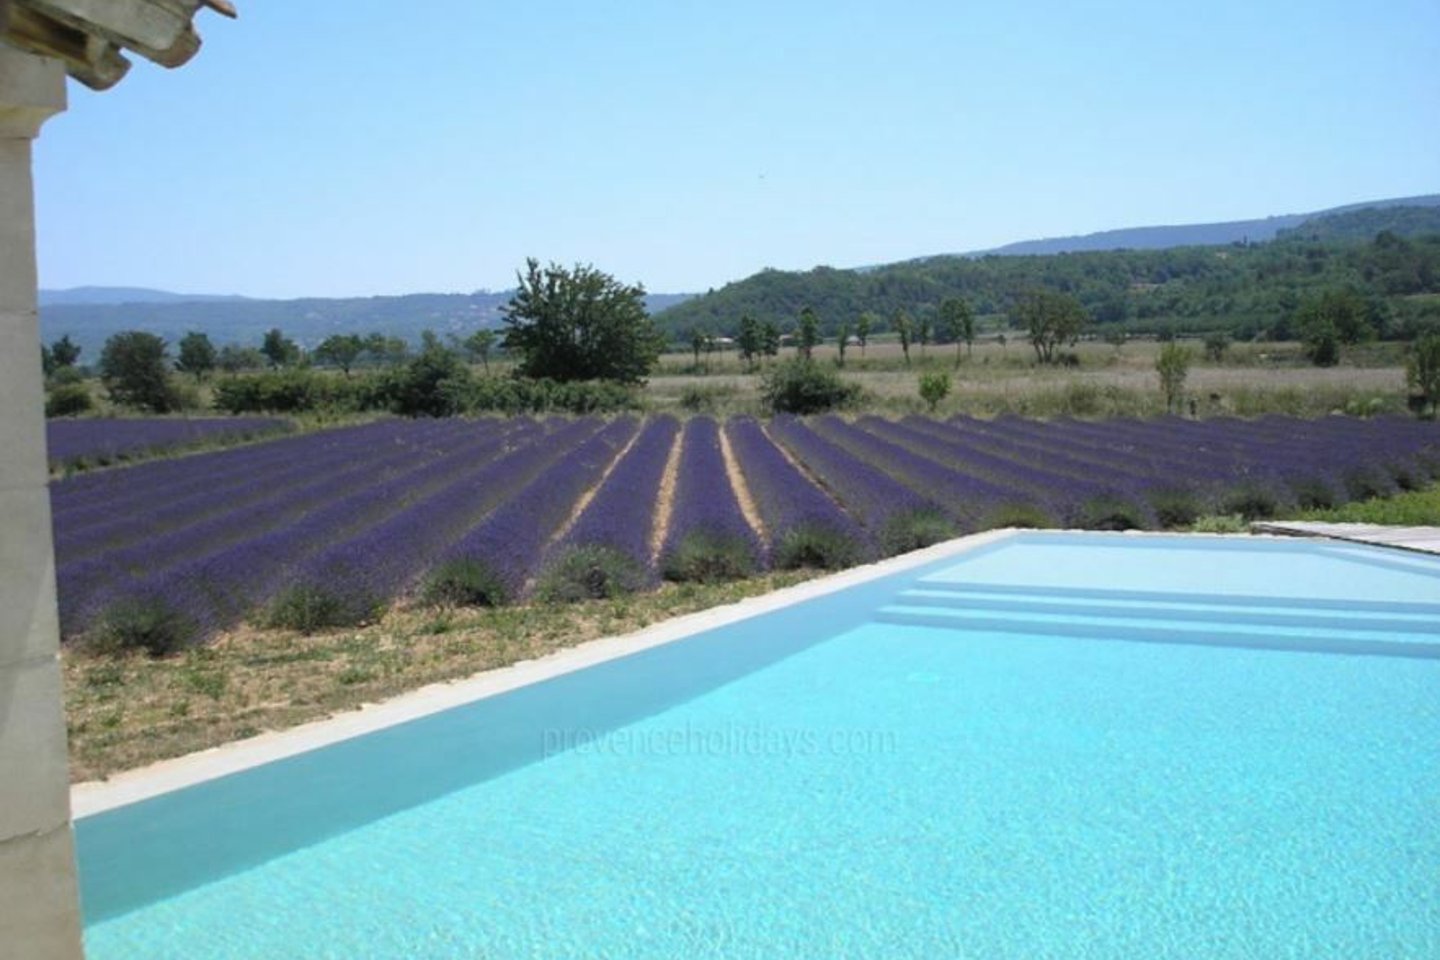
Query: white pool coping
142	783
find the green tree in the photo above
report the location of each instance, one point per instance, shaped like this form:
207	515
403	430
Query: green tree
1342	316
924	328
934	387
1422	372
479	346
770	338
842	339
135	369
751	340
1217	343
279	349
808	334
862	330
1173	365
580	324
197	355
341	350
65	352
903	330
958	321
1051	320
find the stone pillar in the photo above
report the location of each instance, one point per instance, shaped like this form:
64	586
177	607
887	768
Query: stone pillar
39	902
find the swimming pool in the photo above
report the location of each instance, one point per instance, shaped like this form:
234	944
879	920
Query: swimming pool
1050	745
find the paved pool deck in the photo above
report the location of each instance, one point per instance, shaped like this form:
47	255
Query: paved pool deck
1422	539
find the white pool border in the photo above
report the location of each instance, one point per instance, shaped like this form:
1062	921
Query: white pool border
142	783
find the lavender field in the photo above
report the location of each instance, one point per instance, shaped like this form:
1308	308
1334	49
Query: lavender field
344	522
102	441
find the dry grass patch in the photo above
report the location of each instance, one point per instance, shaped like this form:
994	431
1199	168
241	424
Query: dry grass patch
128	711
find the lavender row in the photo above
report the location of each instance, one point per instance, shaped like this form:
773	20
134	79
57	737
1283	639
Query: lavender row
708	536
895	516
1030	490
622	515
360	575
803	526
498	558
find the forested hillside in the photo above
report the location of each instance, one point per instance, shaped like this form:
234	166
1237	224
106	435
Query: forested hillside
1391	256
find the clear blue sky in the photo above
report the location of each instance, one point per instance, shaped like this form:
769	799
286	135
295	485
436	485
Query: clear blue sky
332	149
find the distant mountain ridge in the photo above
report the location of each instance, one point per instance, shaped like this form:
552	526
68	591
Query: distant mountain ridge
1189	235
94	295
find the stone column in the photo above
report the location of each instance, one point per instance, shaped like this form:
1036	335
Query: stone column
39	902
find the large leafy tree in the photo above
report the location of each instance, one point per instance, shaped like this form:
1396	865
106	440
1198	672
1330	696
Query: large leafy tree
580	324
1052	320
135	368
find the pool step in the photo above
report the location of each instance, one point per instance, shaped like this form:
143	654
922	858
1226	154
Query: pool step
1233	622
1170	607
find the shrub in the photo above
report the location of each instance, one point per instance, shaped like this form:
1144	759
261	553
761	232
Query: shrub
1081	399
519	395
591	573
801	386
465	583
1227	523
1173	366
1315	493
1363	483
432	384
1251	500
1175	507
1023	515
68	400
147	623
934	387
706	558
293	391
915	529
308	608
817	546
1112	513
699	399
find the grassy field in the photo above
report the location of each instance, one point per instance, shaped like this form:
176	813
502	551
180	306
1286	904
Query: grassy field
1252	379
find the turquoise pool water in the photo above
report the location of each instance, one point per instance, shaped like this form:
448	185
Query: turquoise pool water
1132	748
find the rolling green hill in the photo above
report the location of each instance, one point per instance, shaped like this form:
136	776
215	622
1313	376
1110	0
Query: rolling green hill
1390	254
